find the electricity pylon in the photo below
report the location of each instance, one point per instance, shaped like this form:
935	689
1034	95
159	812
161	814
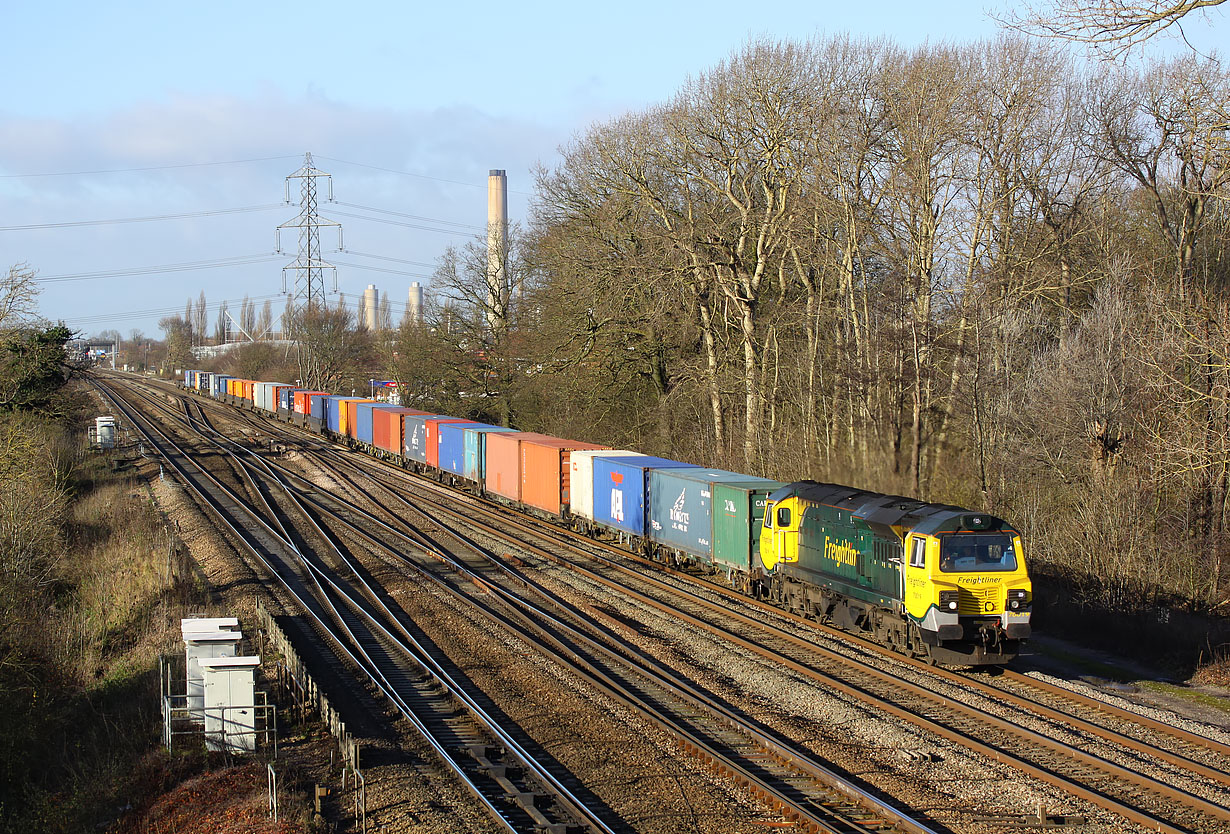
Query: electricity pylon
309	267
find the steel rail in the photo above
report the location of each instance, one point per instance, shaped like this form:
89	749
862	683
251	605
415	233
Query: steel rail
567	656
996	692
382	684
1095	797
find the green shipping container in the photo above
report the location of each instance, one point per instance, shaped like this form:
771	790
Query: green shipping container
738	515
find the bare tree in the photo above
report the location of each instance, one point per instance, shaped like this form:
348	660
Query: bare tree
18	296
1112	27
330	348
200	321
1166	131
265	322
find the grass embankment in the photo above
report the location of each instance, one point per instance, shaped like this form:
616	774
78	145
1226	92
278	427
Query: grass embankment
92	592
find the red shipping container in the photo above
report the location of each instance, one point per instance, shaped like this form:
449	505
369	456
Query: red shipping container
303	401
433	438
545	470
389	427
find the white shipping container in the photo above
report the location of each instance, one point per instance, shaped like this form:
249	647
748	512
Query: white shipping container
581	478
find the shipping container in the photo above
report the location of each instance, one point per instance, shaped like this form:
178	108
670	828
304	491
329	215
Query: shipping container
738	516
433	426
546	474
620	487
335	413
362	427
502	470
531	468
388	427
264	395
304	401
420	437
275	395
581	464
680	508
318	408
451	446
475	440
350	420
220	381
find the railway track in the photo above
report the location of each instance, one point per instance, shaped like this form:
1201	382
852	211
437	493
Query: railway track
802	789
1155	802
519	793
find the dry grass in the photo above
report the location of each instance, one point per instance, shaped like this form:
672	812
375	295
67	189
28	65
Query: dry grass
123	589
1215	672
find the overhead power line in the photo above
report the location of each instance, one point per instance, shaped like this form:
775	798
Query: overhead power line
146	168
386	258
118	220
126	315
414	216
238	260
418	176
404	225
381	269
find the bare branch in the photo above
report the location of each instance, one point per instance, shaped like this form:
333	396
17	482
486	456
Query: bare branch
1111	27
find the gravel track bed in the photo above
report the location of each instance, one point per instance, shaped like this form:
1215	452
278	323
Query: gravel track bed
955	787
629	765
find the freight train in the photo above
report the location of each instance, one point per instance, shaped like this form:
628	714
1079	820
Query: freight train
933	581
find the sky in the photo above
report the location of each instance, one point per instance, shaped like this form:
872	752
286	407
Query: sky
144	147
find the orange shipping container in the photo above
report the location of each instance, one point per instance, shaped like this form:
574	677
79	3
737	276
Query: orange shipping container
545	470
503	467
352	413
389	428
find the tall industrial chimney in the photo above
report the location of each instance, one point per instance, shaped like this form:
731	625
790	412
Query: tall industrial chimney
414	306
370	311
497	250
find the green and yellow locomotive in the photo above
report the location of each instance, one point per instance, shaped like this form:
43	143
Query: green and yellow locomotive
931	580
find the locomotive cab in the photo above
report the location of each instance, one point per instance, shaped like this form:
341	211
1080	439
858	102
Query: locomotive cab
932	580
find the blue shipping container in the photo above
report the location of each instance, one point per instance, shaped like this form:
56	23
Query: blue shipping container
220	385
363	418
680	507
475	439
620	486
452	446
318	407
333	412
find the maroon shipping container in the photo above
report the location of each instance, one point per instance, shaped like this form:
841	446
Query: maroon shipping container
388	427
545	470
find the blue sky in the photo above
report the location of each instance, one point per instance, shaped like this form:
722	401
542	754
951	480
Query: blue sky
434	94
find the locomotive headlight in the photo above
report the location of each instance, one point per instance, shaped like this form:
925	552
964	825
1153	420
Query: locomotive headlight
1016	598
948	600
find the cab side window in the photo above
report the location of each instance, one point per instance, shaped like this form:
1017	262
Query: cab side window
918	553
783	516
